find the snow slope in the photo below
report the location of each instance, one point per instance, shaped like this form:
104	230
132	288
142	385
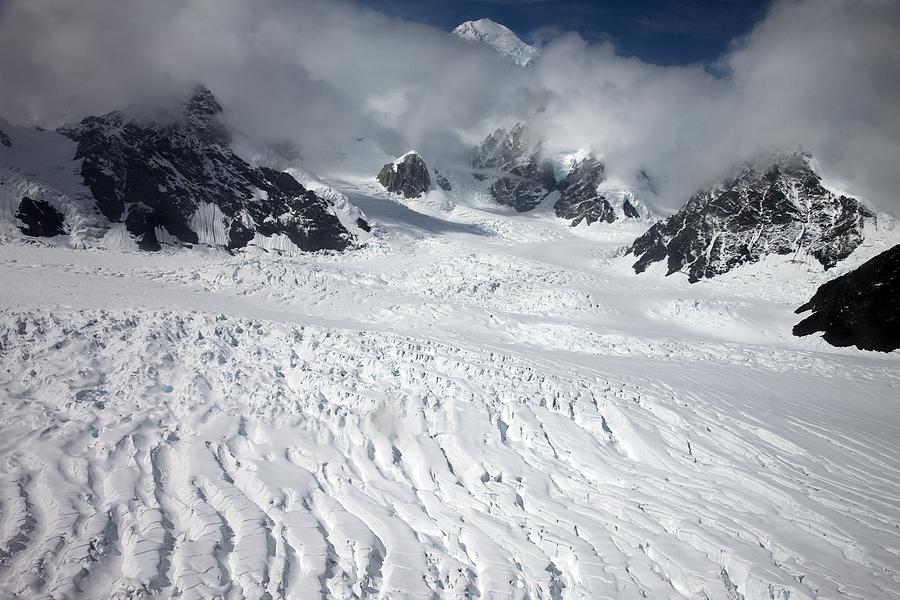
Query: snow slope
474	404
499	37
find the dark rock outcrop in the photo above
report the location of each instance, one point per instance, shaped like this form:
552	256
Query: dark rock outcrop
580	201
523	179
159	174
524	186
513	156
776	207
441	181
860	308
39	219
4	139
408	176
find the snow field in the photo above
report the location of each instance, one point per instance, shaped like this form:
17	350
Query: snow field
474	404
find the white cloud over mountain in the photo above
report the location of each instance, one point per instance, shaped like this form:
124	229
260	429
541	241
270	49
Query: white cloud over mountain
821	74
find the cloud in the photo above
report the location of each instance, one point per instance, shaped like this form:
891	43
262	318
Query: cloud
822	74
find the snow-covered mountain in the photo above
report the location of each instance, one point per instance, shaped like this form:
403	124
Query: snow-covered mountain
774	206
523	176
167	178
500	38
860	308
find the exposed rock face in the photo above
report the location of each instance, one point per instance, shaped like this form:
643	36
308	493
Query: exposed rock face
408	176
441	181
524	179
39	218
514	157
860	308
173	177
580	199
4	139
776	207
505	149
525	186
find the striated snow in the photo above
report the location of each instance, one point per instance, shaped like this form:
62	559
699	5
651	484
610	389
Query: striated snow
209	225
499	37
474	404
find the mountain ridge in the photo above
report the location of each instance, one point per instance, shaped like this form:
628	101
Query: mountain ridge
499	37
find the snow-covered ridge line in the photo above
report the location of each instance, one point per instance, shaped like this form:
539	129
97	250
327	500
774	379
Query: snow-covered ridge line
159	175
499	37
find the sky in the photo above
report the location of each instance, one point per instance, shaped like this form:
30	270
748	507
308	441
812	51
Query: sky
664	32
822	75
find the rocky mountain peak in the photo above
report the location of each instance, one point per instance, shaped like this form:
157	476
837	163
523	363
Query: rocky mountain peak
505	149
175	179
201	112
407	175
774	205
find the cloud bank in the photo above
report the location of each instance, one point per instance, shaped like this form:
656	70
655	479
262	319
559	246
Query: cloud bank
821	74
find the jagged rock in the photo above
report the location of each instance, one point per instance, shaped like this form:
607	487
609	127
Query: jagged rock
774	207
860	308
505	149
514	157
441	181
580	199
4	139
39	219
408	175
525	186
174	176
587	197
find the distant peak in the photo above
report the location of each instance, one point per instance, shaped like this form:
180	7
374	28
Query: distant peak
202	102
484	26
500	38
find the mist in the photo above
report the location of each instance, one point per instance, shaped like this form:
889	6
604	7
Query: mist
823	75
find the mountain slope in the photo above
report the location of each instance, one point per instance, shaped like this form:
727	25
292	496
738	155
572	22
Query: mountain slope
775	206
170	177
499	37
860	308
522	177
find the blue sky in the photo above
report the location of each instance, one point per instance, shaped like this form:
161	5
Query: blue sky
667	32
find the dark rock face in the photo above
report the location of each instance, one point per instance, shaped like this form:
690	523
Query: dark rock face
630	211
513	156
861	308
408	175
580	201
39	219
524	186
505	149
522	179
4	139
774	208
157	174
441	181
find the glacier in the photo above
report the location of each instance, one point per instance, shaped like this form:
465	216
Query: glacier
474	403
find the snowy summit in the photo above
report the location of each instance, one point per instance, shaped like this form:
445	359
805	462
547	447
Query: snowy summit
500	38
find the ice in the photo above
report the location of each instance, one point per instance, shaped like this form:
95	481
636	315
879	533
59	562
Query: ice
473	403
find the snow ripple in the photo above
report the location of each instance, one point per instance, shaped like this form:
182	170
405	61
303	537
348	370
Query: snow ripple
205	456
